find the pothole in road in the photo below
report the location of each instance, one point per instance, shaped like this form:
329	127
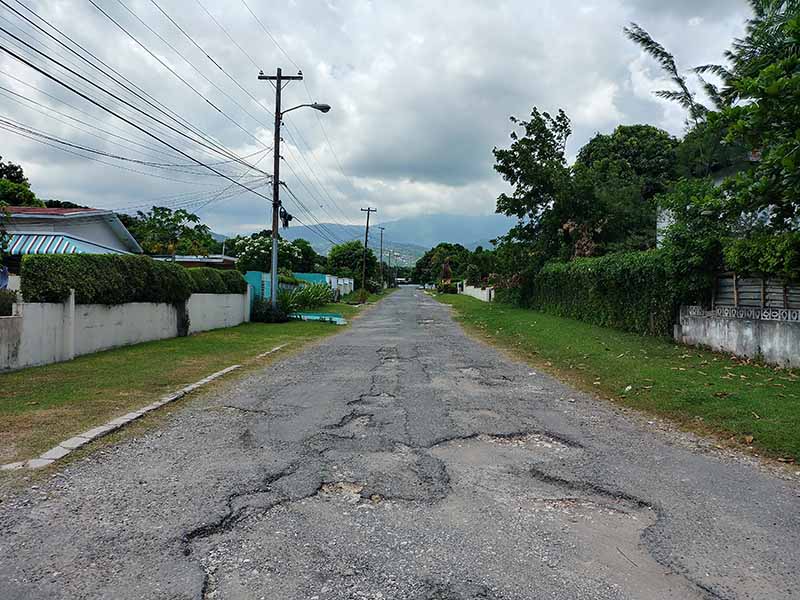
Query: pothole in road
524	440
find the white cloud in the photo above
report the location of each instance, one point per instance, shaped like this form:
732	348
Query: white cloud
421	92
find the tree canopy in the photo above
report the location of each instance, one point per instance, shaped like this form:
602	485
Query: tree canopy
345	260
162	230
602	203
14	187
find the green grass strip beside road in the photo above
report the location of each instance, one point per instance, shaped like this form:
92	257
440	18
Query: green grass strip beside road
41	406
703	391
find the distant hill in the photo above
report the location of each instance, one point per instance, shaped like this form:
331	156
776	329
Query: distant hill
429	230
411	237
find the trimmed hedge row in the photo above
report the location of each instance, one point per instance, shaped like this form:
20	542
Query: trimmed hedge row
234	281
633	291
206	280
117	279
103	279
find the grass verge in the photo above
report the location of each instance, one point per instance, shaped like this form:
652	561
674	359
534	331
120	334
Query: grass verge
740	401
354	297
41	406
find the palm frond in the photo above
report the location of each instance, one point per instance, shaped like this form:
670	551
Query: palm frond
683	95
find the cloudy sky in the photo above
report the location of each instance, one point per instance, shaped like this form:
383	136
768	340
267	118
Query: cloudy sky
421	93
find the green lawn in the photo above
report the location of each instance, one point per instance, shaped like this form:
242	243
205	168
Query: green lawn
704	391
41	406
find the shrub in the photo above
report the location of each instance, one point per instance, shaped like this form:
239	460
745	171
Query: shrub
103	279
234	281
473	275
206	280
7	298
766	254
310	296
633	291
446	288
262	312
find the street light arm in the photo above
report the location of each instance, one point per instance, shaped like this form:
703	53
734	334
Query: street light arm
316	106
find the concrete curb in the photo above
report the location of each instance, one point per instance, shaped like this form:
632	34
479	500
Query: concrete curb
73	443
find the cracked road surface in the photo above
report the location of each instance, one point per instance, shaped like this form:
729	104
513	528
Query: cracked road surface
401	459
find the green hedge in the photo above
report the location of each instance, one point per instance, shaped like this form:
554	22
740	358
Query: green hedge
103	279
632	291
234	281
206	280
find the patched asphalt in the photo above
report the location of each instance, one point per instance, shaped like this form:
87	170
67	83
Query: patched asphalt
402	459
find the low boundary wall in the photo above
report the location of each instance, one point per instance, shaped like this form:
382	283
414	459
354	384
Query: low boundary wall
44	333
769	334
484	294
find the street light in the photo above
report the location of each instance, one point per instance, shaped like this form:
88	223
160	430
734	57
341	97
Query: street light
323	108
279	78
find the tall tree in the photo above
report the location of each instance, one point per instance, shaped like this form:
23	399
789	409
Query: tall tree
345	260
254	252
12	172
14	187
536	167
683	95
162	230
649	152
308	260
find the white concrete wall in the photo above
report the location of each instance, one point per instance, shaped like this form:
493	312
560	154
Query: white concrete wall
486	295
99	327
776	342
214	311
34	336
43	333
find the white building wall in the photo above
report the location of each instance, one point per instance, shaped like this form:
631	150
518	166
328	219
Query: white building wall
94	229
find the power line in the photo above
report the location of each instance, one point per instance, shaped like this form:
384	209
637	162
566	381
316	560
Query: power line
274	41
229	36
31	131
308	93
108	110
228	75
174	73
131	88
119	116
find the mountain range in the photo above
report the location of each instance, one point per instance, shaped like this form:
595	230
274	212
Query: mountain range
409	238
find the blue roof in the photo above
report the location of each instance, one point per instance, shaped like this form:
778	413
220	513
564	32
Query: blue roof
54	243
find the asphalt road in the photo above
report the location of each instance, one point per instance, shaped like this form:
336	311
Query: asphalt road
400	459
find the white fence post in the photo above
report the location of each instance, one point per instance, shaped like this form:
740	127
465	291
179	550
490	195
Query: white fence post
247	293
69	327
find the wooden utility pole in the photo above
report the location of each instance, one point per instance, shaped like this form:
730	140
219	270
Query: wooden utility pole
279	78
366	245
380	264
